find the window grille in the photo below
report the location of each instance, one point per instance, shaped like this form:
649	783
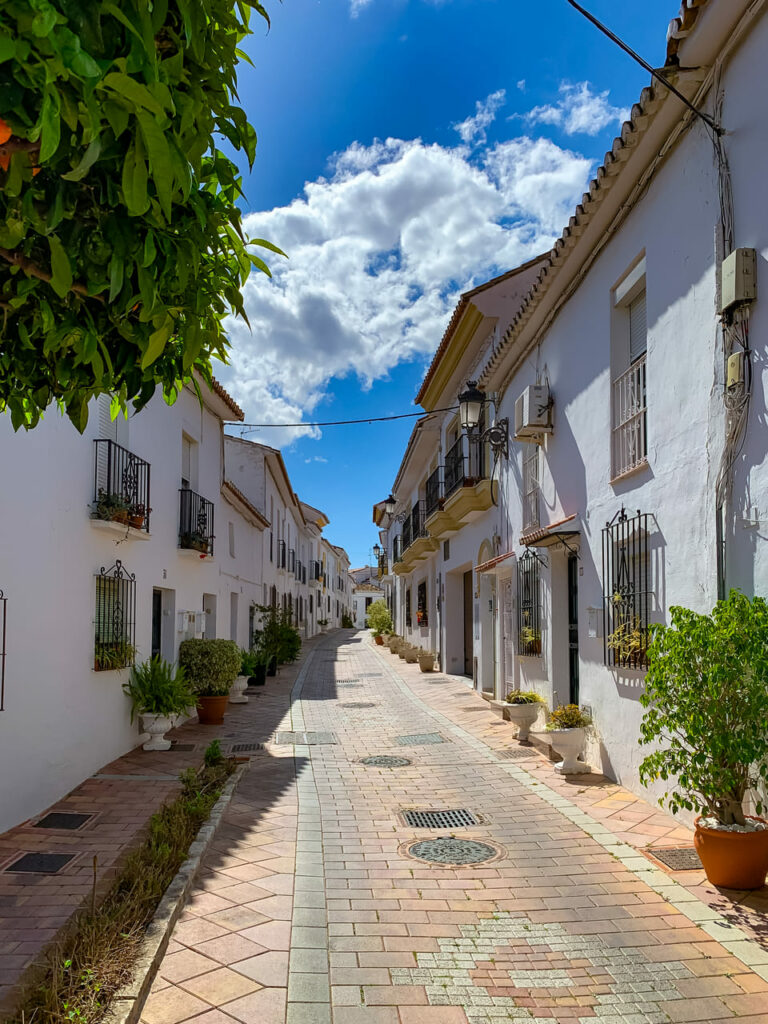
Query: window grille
120	486
282	557
530	486
115	623
626	590
408	607
529	606
422	615
630	430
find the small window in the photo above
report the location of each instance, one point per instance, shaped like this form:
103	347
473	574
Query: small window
188	463
408	607
627	590
629	342
231	540
528	606
638	329
530	486
115	621
422	615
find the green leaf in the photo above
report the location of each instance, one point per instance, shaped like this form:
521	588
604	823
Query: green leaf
157	342
130	89
90	157
135	179
159	160
50	123
61	269
266	245
7	48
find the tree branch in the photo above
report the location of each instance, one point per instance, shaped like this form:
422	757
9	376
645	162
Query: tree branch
17	260
14	145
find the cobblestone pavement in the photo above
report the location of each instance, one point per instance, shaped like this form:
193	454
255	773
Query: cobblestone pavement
311	907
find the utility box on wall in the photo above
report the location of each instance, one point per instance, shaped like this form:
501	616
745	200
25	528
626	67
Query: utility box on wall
738	278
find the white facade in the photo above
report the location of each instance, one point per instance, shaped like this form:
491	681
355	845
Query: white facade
623	327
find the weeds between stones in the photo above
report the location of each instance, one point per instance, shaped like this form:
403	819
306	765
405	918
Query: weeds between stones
95	955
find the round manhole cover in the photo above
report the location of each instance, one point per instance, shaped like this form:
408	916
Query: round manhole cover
354	705
447	850
386	761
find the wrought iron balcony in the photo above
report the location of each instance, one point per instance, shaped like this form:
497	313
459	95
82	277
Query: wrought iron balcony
282	554
397	550
418	520
464	464
292	560
434	492
406	534
315	571
195	522
120	486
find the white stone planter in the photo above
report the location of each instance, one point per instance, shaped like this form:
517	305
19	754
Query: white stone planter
569	743
157	726
426	662
523	716
237	691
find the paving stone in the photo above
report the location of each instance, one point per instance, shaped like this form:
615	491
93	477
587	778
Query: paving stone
308	988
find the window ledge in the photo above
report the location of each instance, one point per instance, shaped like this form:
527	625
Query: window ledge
193	553
629	472
125	531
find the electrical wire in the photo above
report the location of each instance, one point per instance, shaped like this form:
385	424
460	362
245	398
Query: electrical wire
247	427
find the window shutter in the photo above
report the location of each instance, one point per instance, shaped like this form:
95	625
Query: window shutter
638	329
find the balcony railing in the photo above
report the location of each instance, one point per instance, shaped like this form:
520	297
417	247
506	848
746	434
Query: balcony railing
315	570
630	432
406	534
121	486
282	554
434	491
397	550
195	522
418	520
292	560
464	464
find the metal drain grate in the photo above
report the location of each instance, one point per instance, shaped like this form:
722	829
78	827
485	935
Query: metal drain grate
244	748
359	704
515	753
417	739
460	818
385	761
305	738
63	819
447	850
678	858
41	863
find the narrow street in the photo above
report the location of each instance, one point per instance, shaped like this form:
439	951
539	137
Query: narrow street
553	927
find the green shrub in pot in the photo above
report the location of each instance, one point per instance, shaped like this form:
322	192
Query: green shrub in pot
155	688
211	666
378	617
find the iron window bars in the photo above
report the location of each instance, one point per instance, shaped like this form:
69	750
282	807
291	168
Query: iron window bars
626	590
422	615
115	623
120	486
315	571
282	554
292	560
195	522
408	607
529	606
433	492
407	539
418	520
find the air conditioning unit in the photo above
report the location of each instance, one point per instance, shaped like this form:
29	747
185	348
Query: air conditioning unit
533	412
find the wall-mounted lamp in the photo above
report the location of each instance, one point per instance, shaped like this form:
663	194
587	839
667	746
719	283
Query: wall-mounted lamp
376	550
471	402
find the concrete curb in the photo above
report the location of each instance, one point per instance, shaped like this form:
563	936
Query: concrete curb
127	1004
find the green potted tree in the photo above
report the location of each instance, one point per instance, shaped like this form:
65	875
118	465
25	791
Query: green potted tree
567	733
157	694
211	667
706	701
379	620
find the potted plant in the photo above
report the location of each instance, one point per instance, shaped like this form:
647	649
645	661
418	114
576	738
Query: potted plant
566	730
112	508
379	620
426	660
706	701
211	667
522	708
137	513
628	641
237	690
117	654
531	640
254	666
157	694
322	623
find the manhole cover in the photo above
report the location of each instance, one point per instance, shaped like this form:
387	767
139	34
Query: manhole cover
308	738
359	704
440	819
244	748
386	761
41	863
419	738
678	858
447	850
515	753
62	819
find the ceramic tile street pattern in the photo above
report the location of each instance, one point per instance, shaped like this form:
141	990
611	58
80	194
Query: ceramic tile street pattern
312	909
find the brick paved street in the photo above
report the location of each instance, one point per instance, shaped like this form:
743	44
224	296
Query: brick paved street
311	910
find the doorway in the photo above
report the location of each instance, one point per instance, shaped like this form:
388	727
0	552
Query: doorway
157	623
573	629
468	620
209	609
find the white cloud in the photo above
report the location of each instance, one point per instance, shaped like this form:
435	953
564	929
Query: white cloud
315	458
472	130
521	85
355	6
379	252
578	111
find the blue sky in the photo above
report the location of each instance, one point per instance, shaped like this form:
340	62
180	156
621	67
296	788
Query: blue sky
408	150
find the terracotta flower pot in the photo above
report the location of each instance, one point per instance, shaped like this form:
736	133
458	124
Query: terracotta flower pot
733	860
379	641
210	710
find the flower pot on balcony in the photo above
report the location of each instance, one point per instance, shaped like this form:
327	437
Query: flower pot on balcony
569	743
137	522
733	859
157	726
237	691
210	710
426	661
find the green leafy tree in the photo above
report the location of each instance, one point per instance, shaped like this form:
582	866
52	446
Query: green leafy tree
706	700
379	619
121	257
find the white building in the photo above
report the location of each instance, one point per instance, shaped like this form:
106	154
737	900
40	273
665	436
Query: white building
612	502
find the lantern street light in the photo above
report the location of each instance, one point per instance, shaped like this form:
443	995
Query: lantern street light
390	505
376	550
471	402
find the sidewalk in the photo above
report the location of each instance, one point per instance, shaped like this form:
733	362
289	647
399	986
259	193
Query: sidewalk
120	800
313	907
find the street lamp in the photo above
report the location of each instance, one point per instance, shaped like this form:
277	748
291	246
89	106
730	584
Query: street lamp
390	505
376	550
471	404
